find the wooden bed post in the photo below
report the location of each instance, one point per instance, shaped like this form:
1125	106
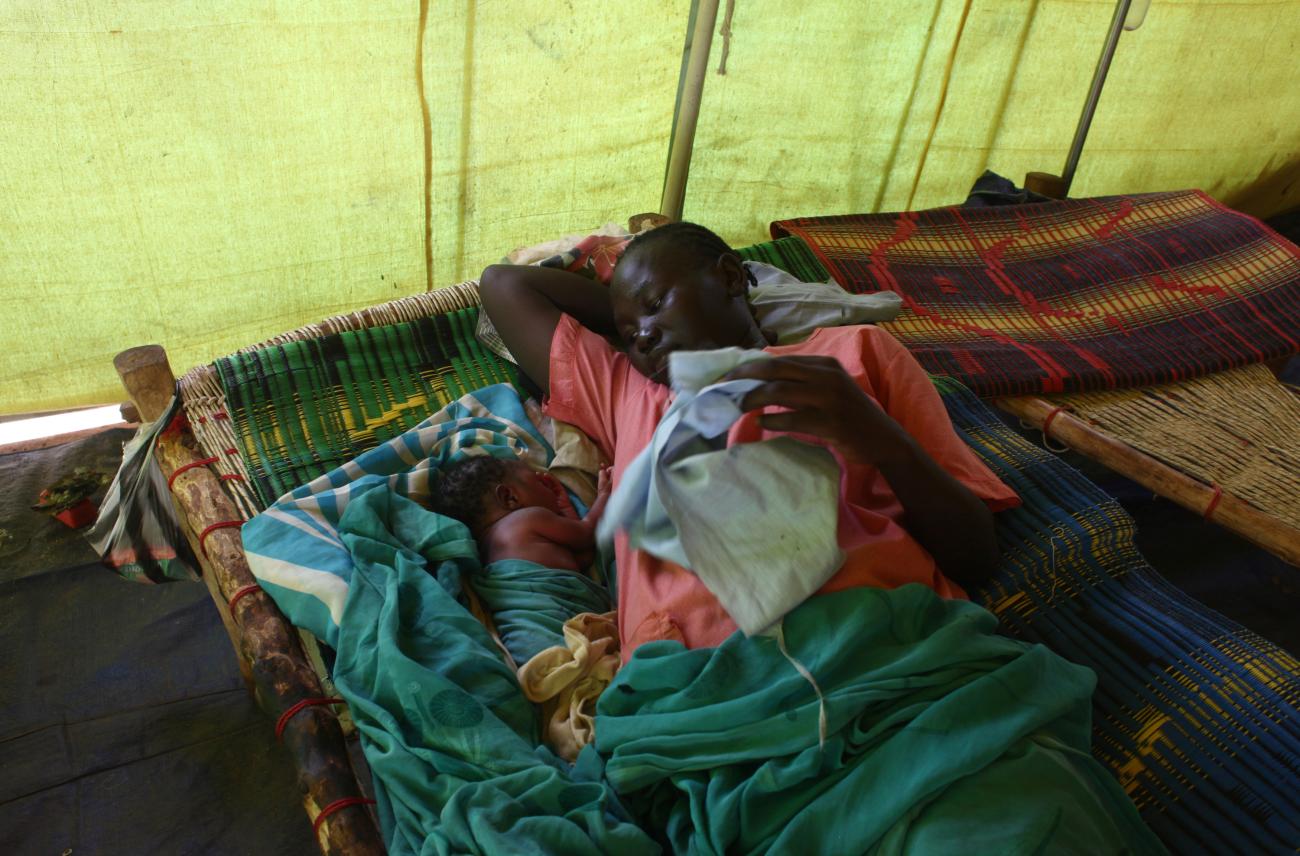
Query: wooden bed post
148	379
265	643
146	373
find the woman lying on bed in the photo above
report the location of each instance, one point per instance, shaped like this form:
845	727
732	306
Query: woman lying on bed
914	500
889	716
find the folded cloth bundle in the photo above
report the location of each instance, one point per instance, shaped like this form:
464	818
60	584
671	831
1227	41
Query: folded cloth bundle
793	309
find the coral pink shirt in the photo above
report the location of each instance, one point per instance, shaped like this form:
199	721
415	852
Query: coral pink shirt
595	388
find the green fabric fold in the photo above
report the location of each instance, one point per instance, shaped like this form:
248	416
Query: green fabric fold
944	737
451	741
530	603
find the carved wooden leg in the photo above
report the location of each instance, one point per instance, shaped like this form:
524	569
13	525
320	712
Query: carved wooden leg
279	670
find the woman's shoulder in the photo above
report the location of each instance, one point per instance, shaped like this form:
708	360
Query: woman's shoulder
855	341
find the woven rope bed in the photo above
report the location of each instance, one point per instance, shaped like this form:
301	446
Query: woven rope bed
1224	446
1194	714
1239	430
208	410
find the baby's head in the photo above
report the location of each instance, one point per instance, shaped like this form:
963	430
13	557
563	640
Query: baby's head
481	489
680	288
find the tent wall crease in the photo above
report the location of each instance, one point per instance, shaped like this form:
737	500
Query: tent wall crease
547	118
204	176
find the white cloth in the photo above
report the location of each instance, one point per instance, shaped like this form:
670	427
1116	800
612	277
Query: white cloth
793	309
756	521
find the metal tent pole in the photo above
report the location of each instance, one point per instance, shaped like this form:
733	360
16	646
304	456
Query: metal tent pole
1058	187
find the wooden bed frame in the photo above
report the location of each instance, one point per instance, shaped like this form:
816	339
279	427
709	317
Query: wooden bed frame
279	669
1212	504
274	664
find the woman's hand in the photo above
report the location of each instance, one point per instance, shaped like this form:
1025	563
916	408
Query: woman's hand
823	401
940	512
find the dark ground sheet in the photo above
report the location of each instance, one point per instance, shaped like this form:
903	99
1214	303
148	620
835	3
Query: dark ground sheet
125	727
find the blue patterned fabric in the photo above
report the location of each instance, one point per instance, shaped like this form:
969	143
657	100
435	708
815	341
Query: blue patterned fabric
1195	715
294	548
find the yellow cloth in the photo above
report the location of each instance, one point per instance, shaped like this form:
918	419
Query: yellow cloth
567	679
577	461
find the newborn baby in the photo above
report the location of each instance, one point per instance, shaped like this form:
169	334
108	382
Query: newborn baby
513	512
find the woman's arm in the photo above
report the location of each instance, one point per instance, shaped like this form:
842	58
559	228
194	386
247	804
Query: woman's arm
950	521
944	515
525	304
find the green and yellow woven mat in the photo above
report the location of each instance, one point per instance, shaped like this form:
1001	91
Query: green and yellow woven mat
791	255
302	408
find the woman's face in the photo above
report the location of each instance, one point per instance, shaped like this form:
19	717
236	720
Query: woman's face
667	301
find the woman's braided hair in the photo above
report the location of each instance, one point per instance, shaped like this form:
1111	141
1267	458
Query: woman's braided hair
464	487
703	243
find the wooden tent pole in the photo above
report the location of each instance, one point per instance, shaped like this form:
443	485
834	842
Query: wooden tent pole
281	672
1228	511
688	113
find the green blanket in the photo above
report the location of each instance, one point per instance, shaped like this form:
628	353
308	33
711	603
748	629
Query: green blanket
941	736
530	603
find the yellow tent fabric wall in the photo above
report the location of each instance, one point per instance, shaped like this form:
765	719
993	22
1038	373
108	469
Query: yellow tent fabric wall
838	107
546	118
203	176
197	175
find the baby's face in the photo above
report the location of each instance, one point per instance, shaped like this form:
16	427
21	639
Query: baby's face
531	487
